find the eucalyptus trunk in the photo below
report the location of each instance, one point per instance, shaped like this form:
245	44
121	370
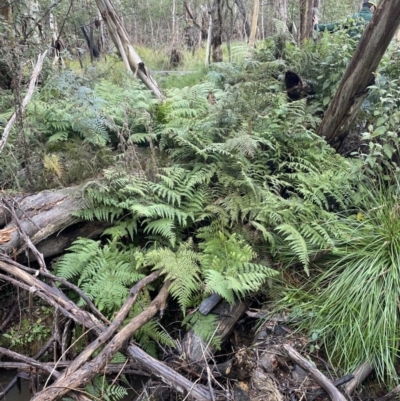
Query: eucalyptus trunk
131	59
281	10
243	13
216	41
306	19
360	73
253	32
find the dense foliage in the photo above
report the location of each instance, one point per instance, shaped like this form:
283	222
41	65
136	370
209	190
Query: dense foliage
225	196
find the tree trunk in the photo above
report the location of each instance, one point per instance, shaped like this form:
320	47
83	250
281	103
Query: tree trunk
216	41
209	36
306	19
243	13
93	49
281	10
360	73
131	59
252	40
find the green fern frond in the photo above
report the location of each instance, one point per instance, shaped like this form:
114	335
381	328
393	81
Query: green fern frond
182	268
297	243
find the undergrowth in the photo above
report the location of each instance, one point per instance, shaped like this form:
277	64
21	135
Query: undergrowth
225	185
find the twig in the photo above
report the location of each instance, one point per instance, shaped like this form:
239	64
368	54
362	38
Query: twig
320	378
27	98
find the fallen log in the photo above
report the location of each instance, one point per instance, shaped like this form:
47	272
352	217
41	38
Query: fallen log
41	215
48	219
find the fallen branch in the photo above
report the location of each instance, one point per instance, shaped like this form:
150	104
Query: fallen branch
391	395
69	309
27	98
110	368
360	374
36	364
82	376
320	378
14	380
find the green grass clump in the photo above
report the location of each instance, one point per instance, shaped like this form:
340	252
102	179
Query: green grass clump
356	314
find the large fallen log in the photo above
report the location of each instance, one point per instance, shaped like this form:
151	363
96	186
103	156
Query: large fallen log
48	219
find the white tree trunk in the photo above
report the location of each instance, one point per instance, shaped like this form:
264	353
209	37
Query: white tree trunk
131	59
253	31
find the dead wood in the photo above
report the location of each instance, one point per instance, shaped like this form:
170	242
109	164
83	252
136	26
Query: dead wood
360	374
195	349
14	380
87	320
391	395
40	216
28	96
112	328
336	383
82	376
9	316
126	368
62	281
320	378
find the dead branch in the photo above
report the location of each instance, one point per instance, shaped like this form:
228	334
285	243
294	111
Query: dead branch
87	320
15	378
82	376
110	368
320	378
62	281
113	327
360	374
10	315
27	98
391	395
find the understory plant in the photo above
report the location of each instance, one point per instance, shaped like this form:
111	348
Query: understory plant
352	306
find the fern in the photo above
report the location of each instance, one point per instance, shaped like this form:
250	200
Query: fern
182	268
205	327
227	268
105	273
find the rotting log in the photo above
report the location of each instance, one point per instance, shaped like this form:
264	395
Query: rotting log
359	74
48	220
